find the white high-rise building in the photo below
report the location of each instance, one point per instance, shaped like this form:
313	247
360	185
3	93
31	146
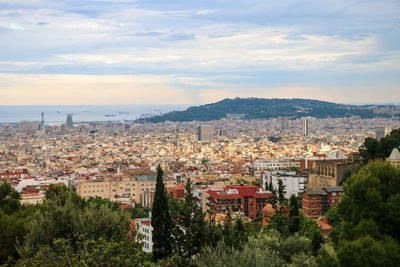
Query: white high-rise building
382	131
205	132
305	126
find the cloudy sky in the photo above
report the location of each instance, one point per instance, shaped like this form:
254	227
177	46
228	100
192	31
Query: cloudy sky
194	52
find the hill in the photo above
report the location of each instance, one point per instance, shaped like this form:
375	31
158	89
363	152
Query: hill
262	108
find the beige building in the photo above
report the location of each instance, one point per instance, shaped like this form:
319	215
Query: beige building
328	173
394	158
32	199
127	187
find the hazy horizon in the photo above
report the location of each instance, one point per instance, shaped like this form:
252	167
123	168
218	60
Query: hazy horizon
190	52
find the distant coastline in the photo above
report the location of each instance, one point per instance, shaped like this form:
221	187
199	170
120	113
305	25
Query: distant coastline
56	114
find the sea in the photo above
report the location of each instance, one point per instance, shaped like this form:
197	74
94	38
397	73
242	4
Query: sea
56	114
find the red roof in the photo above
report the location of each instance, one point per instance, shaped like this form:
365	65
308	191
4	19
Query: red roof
243	191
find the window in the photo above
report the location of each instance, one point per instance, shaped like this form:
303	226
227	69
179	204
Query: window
312	204
314	212
333	193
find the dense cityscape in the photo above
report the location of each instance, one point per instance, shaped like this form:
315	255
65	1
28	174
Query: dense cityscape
175	133
232	166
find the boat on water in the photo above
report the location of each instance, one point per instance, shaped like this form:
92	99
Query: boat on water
123	112
110	115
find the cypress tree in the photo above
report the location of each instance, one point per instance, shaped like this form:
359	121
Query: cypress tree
161	221
281	194
294	218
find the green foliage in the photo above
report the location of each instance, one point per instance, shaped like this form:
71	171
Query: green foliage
282	201
333	215
99	202
368	233
189	227
279	221
65	215
294	215
373	149
12	230
369	150
239	181
140	212
9	199
60	195
213	233
259	108
256	183
161	221
12	219
254	227
327	256
367	251
86	252
373	194
267	249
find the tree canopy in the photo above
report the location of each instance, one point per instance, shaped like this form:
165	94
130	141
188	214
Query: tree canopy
369	214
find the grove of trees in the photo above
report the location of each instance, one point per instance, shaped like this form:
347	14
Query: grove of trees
67	230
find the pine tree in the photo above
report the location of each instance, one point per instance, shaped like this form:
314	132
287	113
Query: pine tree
190	226
240	233
227	232
161	221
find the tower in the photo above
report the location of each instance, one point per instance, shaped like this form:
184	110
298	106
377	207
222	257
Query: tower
69	121
177	135
42	123
305	126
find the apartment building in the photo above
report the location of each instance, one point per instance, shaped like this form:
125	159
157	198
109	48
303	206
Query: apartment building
317	202
145	233
261	166
294	184
247	199
124	186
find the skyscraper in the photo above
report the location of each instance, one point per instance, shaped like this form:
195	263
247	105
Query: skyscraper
42	123
305	126
69	122
205	132
382	131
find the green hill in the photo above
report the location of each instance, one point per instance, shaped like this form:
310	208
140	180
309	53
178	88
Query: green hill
262	108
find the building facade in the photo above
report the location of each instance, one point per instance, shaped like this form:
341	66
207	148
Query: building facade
394	158
382	131
128	187
294	184
317	202
205	132
262	166
247	199
327	173
145	233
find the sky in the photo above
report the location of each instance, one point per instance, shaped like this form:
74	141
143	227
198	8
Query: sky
196	52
